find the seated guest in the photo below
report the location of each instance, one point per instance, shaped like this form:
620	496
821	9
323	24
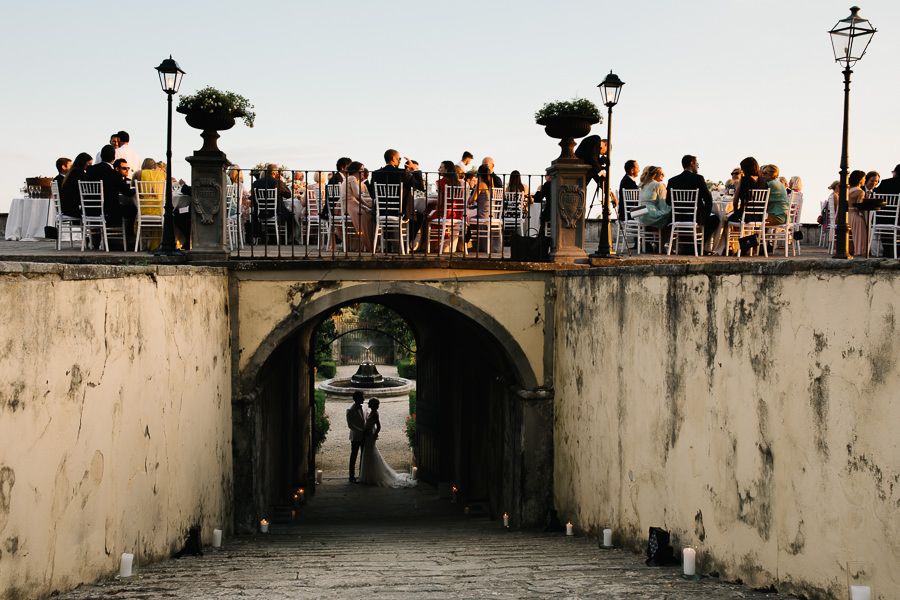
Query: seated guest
359	205
749	181
69	194
689	179
271	179
857	219
777	208
653	197
62	167
628	183
236	176
872	179
118	211
410	177
337	178
891	185
488	162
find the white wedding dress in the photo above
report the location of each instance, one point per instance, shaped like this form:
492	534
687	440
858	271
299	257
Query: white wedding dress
373	469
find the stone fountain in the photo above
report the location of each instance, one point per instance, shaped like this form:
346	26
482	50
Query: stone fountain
367	380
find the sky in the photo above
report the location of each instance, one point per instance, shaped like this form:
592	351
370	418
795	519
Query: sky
719	79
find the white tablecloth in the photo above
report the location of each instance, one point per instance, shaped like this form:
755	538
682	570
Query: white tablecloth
27	219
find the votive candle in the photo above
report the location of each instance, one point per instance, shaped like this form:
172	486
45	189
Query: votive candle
125	567
860	592
217	538
505	520
607	537
264	526
569	529
689	556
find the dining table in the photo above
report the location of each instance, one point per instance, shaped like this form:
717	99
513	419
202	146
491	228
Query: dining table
723	206
27	219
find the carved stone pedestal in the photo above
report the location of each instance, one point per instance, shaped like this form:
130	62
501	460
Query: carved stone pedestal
208	215
567	213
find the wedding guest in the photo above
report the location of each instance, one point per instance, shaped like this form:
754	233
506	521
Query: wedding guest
271	179
118	212
829	207
857	219
359	205
653	196
449	177
628	181
466	159
731	183
125	151
236	176
777	208
749	180
795	185
872	179
481	199
891	185
488	162
690	179
114	142
69	194
410	179
62	167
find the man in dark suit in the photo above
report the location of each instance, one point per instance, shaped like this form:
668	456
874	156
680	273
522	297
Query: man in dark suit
891	185
269	180
690	180
118	203
62	167
410	177
628	183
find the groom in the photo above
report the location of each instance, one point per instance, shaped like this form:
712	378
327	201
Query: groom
356	421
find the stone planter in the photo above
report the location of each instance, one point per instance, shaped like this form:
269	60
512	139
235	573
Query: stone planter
210	124
566	128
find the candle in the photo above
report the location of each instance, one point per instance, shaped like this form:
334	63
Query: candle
453	494
690	561
217	538
505	520
293	515
466	511
302	495
319	476
415	473
125	568
264	526
607	537
569	529
860	592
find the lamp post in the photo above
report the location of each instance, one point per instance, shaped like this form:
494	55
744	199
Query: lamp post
849	39
610	90
170	75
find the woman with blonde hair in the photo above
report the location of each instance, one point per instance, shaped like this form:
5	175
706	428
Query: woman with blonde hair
777	208
653	197
237	178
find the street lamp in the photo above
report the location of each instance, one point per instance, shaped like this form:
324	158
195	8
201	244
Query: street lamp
170	75
850	38
610	90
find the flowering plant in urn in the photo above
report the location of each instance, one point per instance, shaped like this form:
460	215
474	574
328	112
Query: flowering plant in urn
210	103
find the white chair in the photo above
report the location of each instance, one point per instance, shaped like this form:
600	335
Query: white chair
514	218
684	219
389	219
883	222
488	232
63	222
448	230
339	223
784	233
633	228
267	200
150	199
313	204
233	209
92	216
752	221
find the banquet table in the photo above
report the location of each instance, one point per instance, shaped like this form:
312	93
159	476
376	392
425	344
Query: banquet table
27	219
723	206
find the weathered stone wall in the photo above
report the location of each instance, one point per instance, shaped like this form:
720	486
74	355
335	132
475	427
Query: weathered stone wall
750	409
115	418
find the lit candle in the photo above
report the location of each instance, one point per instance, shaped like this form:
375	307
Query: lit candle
302	495
690	561
293	515
860	592
319	476
607	537
296	500
569	529
505	520
453	494
466	511
125	568
415	473
264	526
217	538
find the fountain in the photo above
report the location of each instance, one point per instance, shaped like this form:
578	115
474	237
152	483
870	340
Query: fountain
367	380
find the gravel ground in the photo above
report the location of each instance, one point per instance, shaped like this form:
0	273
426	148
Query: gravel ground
334	455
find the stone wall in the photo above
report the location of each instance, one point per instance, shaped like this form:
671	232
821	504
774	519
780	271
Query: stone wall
115	418
748	408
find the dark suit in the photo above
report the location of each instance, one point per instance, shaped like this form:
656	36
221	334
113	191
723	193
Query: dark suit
890	185
589	152
627	183
410	180
70	196
693	181
267	182
114	185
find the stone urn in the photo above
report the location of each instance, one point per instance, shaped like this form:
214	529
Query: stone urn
566	128
210	124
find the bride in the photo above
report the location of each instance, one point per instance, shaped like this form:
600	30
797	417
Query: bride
374	471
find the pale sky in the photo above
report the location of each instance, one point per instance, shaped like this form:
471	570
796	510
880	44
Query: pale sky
721	79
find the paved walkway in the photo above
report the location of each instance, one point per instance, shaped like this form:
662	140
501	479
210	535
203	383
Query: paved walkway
352	541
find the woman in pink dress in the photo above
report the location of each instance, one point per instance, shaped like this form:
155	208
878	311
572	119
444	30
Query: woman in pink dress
359	204
857	219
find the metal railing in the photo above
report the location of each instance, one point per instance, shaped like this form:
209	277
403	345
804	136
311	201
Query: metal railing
311	223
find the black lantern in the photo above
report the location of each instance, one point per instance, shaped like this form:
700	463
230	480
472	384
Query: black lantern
850	39
610	90
170	75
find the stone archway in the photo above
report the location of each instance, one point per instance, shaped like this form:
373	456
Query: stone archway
482	425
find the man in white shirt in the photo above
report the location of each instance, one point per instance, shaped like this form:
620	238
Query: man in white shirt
466	159
114	142
125	151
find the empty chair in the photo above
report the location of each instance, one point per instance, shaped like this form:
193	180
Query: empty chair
390	224
61	221
92	215
313	204
150	199
684	219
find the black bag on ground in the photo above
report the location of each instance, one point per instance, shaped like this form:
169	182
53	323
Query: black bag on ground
748	243
50	233
659	550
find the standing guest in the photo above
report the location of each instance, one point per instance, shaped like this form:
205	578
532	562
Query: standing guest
488	162
872	179
125	151
653	196
856	218
359	204
114	142
69	194
777	208
690	179
410	177
749	181
466	159
62	167
118	211
891	185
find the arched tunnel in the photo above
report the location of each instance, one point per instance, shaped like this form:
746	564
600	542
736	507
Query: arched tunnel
483	425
